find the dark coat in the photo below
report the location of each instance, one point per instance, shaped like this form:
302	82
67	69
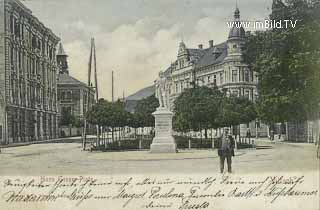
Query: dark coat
232	145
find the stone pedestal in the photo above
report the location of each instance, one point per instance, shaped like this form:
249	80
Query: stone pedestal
163	141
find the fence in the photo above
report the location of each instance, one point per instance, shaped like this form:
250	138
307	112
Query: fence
144	143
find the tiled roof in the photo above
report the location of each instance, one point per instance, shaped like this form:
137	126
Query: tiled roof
66	79
213	55
196	52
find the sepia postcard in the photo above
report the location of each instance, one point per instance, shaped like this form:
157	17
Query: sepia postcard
159	104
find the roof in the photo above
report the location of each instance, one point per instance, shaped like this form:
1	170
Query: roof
66	79
196	52
213	55
61	50
237	32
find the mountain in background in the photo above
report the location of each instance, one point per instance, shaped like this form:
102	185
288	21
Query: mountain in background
132	100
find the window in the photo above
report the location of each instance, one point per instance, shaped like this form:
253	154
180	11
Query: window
209	79
234	75
235	93
247	94
214	79
12	56
12	21
246	76
16	28
234	46
221	77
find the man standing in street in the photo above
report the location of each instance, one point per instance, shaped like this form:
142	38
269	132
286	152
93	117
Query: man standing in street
226	146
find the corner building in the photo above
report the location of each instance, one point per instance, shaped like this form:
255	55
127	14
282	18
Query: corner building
28	76
72	95
218	65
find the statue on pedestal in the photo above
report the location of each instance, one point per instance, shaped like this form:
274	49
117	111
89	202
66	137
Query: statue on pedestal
163	142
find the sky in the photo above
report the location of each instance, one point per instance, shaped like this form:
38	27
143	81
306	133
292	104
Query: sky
137	38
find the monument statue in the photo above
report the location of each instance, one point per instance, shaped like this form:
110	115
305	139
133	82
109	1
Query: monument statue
161	92
163	142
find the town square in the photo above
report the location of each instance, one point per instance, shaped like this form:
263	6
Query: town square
164	88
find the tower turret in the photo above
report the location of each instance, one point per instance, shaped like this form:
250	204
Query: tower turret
62	60
236	36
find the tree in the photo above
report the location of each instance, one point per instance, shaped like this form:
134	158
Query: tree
66	117
144	110
236	111
135	121
288	63
197	109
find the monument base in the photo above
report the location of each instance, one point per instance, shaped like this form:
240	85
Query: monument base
163	145
163	141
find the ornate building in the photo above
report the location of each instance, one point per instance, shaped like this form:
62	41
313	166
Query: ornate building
28	108
220	65
72	93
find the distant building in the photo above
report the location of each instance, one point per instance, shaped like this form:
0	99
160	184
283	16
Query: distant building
28	69
218	65
72	93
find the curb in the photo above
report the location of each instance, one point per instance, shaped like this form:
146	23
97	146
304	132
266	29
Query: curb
36	142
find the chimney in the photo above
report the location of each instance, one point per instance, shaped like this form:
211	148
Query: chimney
200	46
210	43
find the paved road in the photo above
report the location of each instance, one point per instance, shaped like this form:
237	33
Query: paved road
68	158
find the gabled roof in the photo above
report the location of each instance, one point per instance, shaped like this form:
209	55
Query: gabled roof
66	79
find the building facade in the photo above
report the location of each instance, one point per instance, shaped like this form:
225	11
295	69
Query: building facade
72	95
28	76
218	65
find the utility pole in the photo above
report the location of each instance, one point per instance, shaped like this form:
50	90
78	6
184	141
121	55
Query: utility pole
112	88
92	57
95	70
96	85
88	98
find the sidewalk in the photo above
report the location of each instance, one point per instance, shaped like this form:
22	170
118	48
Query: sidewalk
58	140
281	141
